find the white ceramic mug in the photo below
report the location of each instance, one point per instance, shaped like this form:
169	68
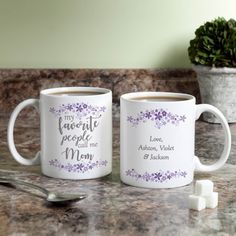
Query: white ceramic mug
76	132
157	139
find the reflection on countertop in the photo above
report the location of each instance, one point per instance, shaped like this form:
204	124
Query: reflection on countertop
113	208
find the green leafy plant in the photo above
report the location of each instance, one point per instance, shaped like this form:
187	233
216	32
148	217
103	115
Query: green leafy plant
214	44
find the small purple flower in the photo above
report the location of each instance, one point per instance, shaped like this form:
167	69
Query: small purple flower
164	113
84	105
69	107
79	108
52	109
103	109
157	175
130	118
182	118
163	178
158	116
184	174
148	115
80	166
51	162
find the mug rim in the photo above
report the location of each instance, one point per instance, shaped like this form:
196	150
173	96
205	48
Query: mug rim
130	97
48	92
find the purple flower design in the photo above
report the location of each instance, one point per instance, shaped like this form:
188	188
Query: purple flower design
161	118
158	116
182	118
183	174
128	172
69	107
52	109
159	176
148	115
168	176
129	118
78	168
102	108
79	109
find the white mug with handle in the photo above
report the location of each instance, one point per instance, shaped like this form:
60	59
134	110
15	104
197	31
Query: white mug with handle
76	132
158	136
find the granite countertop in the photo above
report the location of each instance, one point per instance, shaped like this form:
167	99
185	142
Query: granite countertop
113	208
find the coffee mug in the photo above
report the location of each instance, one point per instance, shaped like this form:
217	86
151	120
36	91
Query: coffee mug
76	132
157	139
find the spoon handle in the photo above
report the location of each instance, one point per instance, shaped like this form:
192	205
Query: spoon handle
20	182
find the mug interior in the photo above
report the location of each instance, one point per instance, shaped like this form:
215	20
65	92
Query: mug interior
143	97
55	92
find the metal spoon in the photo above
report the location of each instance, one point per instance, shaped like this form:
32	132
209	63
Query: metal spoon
49	196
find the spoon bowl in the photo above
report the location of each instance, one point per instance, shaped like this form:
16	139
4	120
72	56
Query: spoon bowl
57	198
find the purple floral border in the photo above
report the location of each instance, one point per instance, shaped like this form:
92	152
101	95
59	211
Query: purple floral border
159	176
78	168
79	109
161	118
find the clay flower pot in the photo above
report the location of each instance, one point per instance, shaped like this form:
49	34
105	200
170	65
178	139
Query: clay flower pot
218	88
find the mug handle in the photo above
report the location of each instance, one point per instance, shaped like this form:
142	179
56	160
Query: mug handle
10	133
227	144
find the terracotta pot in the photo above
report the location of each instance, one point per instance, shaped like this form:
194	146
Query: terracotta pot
218	88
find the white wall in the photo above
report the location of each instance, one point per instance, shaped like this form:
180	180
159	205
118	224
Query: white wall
102	33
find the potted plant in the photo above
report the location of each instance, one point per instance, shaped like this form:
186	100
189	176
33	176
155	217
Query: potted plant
213	55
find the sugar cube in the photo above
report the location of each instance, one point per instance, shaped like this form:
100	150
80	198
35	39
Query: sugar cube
212	200
196	202
204	187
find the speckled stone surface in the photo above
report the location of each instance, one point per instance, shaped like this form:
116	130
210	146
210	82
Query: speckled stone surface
113	208
17	85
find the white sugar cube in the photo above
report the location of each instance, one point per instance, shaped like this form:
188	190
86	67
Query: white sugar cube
212	200
204	187
196	202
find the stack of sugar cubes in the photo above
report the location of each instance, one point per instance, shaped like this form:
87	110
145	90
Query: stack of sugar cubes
203	196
